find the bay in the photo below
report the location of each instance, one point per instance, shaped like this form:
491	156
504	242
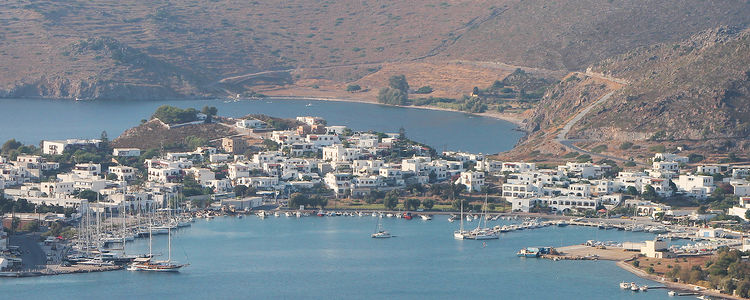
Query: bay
32	120
334	257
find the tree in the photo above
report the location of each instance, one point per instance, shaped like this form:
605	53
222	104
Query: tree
174	115
631	190
428	203
10	145
240	190
475	91
391	200
398	82
747	214
411	204
424	90
649	193
457	204
210	110
353	88
392	96
89	195
297	200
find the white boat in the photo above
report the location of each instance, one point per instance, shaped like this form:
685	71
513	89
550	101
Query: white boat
425	217
469	218
624	285
672	293
262	214
644	288
298	214
460	234
634	287
374	214
276	214
148	265
380	233
288	214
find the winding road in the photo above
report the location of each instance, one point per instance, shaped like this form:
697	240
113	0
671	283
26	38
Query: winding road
562	139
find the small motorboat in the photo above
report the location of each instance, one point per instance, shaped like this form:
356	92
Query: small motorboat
672	293
634	287
624	285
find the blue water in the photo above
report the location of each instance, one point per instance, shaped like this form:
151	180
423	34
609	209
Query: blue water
30	120
334	257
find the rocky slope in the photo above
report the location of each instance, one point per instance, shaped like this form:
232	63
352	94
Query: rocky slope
183	48
691	90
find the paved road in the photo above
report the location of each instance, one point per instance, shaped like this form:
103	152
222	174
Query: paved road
32	254
562	139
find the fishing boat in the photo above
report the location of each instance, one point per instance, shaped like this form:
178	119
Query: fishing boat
408	216
380	233
528	252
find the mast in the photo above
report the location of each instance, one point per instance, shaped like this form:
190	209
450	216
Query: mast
462	216
169	242
150	241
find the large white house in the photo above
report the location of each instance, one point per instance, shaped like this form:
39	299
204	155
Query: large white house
57	147
474	181
126	152
698	186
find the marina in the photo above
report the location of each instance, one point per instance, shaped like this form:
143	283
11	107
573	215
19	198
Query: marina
309	251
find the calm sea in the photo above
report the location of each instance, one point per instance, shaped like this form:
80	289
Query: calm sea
334	257
31	120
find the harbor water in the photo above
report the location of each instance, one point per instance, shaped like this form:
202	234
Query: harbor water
335	257
31	120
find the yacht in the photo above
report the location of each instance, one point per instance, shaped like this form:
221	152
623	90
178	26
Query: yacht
380	233
425	217
149	265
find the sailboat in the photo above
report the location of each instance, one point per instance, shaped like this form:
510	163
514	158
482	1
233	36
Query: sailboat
460	234
483	233
149	265
380	233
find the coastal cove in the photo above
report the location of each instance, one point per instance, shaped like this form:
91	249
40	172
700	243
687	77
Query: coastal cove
335	257
32	120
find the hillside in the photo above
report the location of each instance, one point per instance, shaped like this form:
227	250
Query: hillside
691	90
693	94
130	49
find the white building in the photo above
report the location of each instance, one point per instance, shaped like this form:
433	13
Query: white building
250	124
126	152
259	182
339	153
698	186
740	209
554	203
518	167
474	181
87	170
670	157
57	147
123	172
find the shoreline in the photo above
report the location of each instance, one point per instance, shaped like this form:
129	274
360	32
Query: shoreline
504	117
684	287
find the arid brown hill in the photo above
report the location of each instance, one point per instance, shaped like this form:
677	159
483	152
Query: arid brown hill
164	48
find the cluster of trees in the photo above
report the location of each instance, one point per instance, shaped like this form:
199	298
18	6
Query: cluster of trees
12	149
175	115
23	206
191	187
727	273
397	92
299	199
